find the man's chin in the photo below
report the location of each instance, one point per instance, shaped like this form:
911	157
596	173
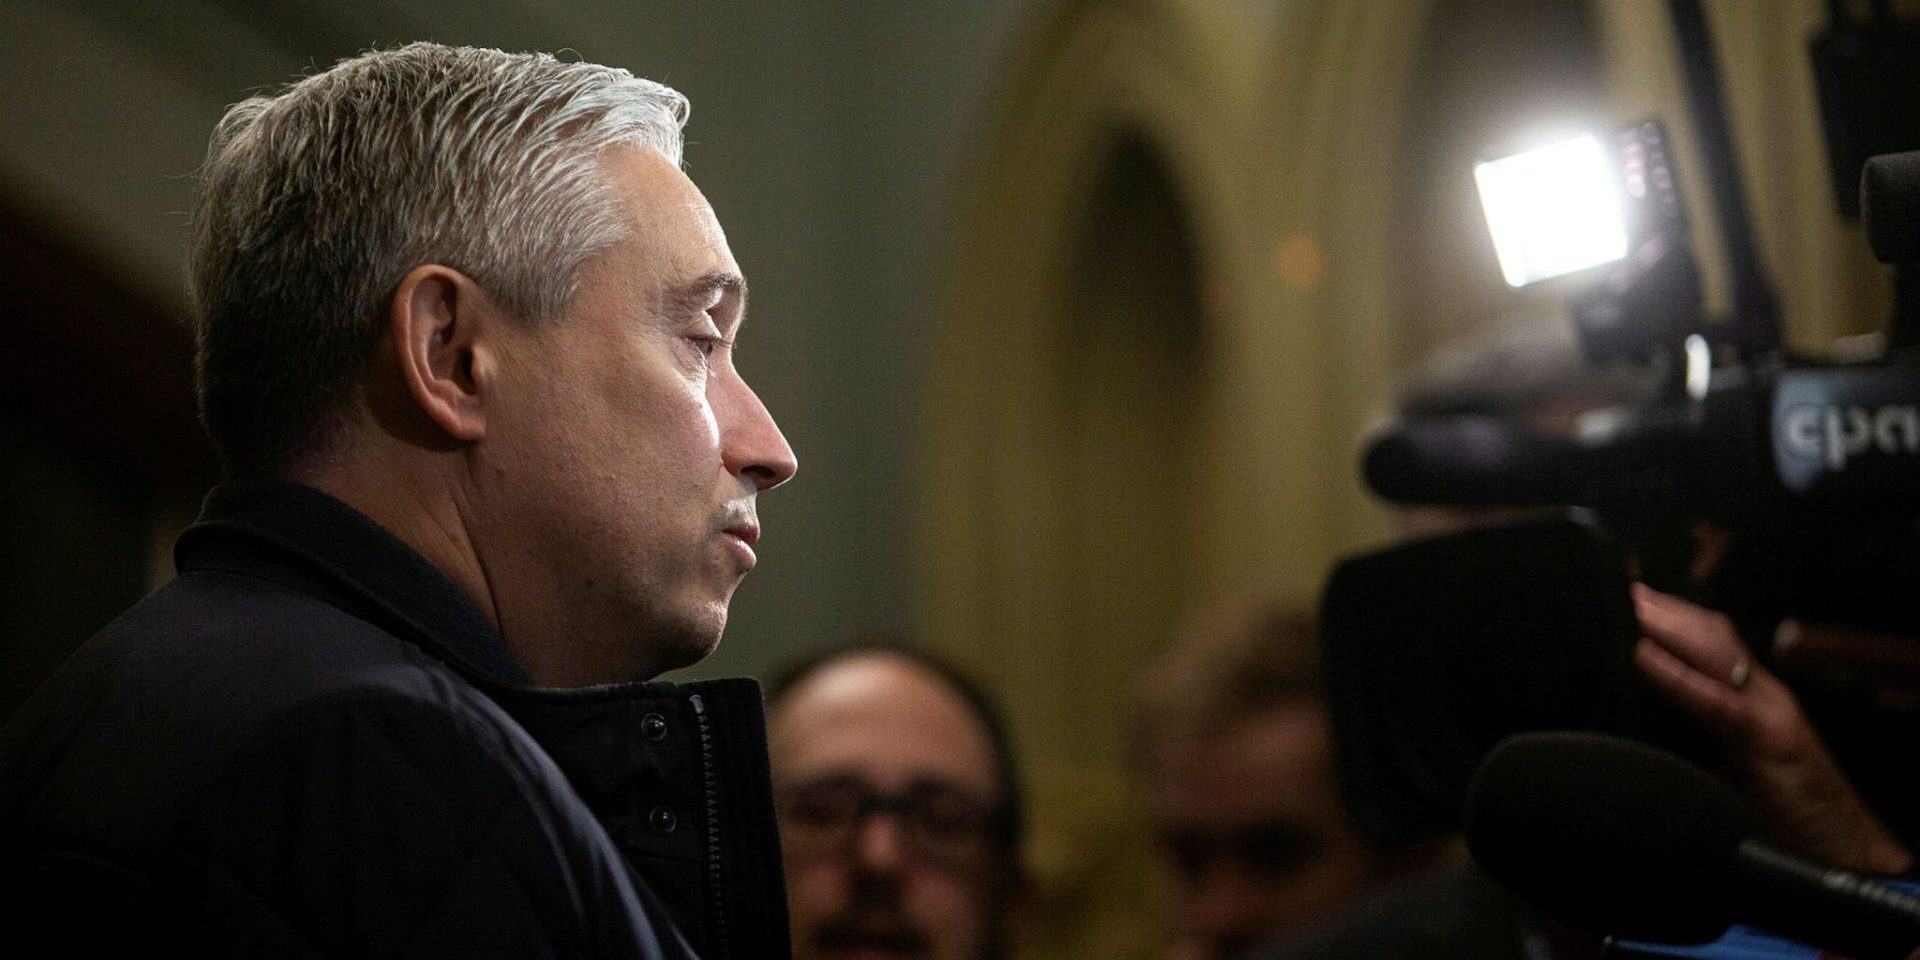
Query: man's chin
673	647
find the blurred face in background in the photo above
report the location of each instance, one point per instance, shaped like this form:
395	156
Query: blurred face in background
1251	825
890	817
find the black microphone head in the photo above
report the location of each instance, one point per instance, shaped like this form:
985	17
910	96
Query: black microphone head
1609	834
1890	206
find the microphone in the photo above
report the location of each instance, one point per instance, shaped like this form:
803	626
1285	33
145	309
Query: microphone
1625	839
1474	461
1844	438
1632	459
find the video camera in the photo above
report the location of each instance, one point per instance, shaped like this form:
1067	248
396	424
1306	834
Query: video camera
1809	470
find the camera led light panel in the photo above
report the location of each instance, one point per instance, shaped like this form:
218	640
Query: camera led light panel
1553	210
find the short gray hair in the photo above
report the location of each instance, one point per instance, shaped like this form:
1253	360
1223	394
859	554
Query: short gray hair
317	199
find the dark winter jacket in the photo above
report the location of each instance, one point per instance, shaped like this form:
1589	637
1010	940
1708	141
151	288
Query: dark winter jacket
311	743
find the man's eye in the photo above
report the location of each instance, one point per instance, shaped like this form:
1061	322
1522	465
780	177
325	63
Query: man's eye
821	806
815	811
707	343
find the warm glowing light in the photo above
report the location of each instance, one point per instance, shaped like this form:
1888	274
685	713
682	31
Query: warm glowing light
1553	210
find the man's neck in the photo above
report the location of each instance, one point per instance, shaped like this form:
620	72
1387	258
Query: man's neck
414	503
423	501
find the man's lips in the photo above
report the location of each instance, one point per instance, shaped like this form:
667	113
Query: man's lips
747	533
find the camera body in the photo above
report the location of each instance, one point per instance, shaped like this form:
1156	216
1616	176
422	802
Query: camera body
1803	476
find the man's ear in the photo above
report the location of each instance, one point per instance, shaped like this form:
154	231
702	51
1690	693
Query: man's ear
438	318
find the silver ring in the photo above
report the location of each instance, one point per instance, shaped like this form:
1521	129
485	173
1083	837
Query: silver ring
1742	672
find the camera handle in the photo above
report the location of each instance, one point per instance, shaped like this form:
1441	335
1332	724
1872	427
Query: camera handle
1756	313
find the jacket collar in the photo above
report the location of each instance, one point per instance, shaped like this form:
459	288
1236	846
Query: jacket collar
337	551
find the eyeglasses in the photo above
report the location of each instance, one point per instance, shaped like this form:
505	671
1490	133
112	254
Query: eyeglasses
944	824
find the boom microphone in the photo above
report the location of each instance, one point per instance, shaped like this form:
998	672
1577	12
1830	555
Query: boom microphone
1844	437
1633	460
1626	839
1474	461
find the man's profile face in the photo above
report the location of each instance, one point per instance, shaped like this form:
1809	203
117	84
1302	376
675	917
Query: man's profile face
624	450
1252	827
887	791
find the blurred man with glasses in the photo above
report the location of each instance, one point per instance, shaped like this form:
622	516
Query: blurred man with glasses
899	809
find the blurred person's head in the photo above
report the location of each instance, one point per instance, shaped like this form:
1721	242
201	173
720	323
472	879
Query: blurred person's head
471	294
1235	746
900	812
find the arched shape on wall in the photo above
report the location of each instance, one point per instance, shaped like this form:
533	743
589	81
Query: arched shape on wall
1074	419
1130	371
1114	149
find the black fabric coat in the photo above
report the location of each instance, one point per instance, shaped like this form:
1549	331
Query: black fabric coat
311	743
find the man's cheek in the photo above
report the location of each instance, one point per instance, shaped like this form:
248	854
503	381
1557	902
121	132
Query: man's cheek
817	890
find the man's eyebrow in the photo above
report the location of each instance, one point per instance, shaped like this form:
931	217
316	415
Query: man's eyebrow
698	296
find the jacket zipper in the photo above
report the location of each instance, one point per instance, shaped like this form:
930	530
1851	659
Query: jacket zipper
716	888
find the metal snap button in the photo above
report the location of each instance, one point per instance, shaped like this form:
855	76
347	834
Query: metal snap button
654	727
663	820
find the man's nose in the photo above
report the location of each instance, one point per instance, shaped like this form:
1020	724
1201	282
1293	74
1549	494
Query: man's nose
752	445
880	843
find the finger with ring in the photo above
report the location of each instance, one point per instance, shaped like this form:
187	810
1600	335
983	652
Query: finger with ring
1742	671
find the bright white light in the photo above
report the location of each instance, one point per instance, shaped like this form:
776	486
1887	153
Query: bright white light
1699	366
1553	210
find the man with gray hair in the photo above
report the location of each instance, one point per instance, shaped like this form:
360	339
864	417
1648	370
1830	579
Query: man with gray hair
465	346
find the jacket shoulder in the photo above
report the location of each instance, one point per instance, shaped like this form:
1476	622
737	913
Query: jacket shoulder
278	775
107	750
377	822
